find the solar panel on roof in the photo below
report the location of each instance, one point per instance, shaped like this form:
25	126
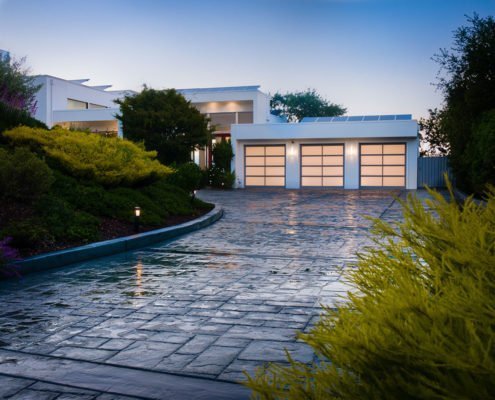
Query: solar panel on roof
355	118
359	118
309	119
325	119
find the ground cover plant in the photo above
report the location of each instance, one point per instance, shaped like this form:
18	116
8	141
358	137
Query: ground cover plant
420	322
60	188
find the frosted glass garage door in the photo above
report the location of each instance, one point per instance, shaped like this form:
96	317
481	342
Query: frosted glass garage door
264	165
383	165
322	165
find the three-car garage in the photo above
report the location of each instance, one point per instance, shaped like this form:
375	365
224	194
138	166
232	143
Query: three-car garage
345	154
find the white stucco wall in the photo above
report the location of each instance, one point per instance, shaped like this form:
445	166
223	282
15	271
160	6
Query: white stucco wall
351	134
54	93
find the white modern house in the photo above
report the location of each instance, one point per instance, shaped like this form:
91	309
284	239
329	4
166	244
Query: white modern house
351	152
72	104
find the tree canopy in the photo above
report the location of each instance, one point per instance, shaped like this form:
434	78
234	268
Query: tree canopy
467	80
297	105
17	88
166	122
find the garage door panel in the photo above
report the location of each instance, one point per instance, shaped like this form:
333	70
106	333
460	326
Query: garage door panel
265	165
333	160
371	149
311	160
394	170
371	160
255	161
255	180
275	161
311	150
394	160
394	149
333	181
311	171
311	181
333	171
393	181
275	181
371	170
383	165
371	181
255	171
275	171
333	150
255	151
322	165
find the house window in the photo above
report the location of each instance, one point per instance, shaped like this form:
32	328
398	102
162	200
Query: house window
245	117
222	121
76	104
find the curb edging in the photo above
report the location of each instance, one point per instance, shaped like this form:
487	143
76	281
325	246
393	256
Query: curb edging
105	248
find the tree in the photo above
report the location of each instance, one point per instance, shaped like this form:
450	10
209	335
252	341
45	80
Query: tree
17	88
166	122
467	80
433	139
222	154
295	106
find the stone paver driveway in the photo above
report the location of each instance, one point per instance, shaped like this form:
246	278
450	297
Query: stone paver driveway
213	303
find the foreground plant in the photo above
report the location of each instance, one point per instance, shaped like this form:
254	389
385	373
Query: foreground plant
421	323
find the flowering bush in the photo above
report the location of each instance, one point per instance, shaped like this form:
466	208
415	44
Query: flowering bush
7	255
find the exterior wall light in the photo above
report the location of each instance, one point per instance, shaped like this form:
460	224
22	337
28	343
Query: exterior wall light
292	150
193	195
137	218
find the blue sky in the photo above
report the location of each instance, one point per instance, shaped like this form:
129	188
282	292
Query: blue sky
372	56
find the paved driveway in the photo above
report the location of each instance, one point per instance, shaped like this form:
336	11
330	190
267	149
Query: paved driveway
213	303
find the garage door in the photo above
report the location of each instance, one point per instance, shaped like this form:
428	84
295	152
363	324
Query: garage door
265	165
383	165
322	165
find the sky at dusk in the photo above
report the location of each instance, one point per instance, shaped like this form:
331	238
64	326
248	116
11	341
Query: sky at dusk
372	56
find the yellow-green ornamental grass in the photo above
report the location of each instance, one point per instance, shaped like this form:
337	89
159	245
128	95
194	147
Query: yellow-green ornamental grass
421	323
108	161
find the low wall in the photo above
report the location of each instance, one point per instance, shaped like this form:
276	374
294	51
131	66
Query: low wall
91	251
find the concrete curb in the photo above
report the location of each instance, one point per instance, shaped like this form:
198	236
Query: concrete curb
108	247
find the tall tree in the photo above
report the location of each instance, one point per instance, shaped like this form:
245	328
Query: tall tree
467	80
295	106
434	141
166	122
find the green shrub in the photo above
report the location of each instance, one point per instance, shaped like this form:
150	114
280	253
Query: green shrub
105	160
23	176
64	223
28	233
221	179
420	324
187	176
11	117
222	154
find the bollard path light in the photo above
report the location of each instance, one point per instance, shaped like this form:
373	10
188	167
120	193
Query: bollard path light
137	218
